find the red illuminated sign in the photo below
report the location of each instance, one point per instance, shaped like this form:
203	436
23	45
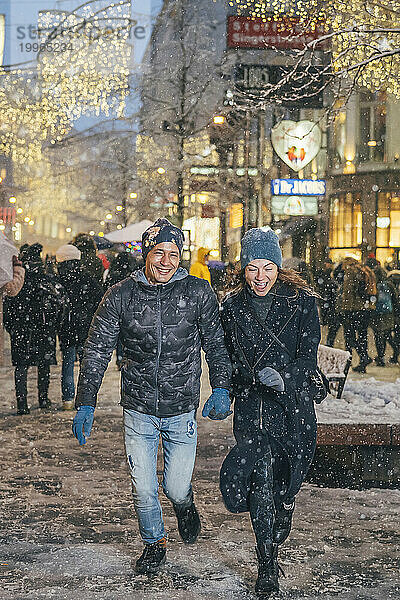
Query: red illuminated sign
285	34
7	215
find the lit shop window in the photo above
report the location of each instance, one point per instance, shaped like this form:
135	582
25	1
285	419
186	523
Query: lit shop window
387	225
345	222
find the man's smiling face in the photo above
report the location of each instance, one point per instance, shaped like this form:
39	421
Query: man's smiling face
162	262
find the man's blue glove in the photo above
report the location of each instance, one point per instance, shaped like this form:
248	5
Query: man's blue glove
218	405
271	378
82	423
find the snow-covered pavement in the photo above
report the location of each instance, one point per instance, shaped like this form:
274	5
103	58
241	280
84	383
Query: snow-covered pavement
67	528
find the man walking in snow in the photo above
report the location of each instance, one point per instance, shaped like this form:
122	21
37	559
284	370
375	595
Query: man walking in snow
164	317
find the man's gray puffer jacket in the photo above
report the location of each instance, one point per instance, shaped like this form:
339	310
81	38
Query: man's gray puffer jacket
162	328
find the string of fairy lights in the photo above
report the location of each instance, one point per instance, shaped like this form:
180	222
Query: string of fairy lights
364	35
87	75
81	69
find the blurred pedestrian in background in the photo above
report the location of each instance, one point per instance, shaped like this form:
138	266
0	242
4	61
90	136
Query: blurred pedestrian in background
84	295
121	267
90	262
199	268
356	301
394	340
12	273
33	318
327	288
383	317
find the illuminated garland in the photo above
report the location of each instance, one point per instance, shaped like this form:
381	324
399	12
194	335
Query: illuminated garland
269	10
88	75
365	34
369	53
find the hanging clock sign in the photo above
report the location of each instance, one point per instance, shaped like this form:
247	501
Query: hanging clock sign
296	143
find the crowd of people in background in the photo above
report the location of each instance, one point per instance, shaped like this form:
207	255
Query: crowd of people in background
56	297
357	296
52	298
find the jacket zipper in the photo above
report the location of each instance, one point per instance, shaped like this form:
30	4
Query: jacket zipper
159	333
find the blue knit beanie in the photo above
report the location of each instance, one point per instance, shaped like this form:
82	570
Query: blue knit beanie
161	231
257	243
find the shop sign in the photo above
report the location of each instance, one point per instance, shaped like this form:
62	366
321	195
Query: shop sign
288	85
7	214
285	34
294	206
296	143
299	187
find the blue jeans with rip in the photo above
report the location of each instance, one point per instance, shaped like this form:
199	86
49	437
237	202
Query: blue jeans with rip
179	440
67	371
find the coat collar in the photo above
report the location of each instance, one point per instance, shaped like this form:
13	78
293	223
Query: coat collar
141	278
264	336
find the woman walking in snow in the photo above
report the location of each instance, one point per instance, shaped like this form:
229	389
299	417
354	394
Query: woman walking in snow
272	334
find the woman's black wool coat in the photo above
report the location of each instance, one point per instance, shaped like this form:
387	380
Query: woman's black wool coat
288	342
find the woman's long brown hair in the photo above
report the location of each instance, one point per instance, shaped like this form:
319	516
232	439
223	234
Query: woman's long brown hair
237	281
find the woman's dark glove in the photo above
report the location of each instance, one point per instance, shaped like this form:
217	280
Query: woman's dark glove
271	378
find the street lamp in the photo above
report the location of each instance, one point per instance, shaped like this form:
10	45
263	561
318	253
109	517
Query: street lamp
109	216
161	170
218	119
133	195
119	208
12	200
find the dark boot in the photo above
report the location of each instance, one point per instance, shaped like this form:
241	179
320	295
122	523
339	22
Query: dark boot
283	523
22	407
267	580
189	525
43	380
44	403
152	558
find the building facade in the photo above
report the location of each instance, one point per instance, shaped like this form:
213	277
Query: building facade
363	201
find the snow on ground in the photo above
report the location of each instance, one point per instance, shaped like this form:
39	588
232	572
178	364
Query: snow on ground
68	529
365	401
